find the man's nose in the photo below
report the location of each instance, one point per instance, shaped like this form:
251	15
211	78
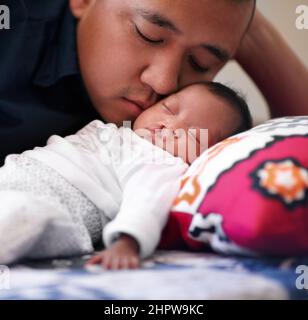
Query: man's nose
163	73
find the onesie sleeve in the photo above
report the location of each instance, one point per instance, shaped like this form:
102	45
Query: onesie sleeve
150	181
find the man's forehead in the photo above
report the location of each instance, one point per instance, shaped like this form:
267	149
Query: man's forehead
217	26
182	10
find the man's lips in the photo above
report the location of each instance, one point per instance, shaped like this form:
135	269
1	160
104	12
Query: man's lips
134	108
141	103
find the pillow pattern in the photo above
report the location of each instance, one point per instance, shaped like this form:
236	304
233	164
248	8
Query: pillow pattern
246	195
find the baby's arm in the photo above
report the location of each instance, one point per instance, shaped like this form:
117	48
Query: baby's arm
148	188
122	254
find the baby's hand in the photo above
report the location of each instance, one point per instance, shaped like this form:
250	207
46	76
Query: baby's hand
123	254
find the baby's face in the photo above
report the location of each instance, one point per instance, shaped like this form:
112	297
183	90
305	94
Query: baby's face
186	123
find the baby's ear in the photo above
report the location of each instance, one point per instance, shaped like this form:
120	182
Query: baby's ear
79	7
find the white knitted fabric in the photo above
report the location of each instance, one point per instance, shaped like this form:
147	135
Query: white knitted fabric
42	214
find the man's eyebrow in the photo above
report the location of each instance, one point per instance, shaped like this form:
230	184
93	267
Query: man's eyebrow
163	22
218	52
158	19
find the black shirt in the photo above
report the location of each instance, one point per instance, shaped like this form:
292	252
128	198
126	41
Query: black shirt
41	90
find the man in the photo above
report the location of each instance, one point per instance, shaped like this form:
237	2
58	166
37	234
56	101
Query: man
64	63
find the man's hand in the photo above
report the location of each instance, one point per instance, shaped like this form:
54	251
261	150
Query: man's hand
123	254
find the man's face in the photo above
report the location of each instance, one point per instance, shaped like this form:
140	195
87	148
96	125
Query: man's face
132	52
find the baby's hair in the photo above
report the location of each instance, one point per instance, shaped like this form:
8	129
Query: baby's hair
235	100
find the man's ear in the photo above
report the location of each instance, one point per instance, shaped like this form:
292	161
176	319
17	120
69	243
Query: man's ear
79	7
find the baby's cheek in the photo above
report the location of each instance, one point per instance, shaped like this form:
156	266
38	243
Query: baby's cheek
170	145
145	134
179	147
193	150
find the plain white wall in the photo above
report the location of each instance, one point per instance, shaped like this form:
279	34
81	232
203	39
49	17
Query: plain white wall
282	14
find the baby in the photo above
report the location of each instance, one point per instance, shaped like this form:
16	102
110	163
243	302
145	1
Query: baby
112	184
198	116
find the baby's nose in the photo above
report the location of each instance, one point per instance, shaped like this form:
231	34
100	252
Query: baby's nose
168	132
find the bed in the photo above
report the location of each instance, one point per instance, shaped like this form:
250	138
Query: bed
167	275
227	209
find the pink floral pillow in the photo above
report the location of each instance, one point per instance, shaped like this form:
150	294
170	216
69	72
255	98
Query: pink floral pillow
247	194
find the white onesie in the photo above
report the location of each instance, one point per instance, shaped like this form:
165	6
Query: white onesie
63	198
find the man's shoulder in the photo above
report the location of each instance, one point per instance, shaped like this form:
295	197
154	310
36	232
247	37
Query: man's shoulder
41	10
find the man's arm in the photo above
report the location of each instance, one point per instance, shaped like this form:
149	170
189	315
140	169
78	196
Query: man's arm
278	72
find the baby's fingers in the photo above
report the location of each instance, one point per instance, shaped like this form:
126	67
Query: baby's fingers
113	261
134	263
118	262
127	262
94	260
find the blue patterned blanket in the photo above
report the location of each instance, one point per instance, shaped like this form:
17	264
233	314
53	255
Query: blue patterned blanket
167	275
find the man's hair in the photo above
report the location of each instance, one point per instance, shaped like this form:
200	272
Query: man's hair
236	101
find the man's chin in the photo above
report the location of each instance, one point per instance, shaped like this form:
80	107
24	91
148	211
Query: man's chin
121	112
